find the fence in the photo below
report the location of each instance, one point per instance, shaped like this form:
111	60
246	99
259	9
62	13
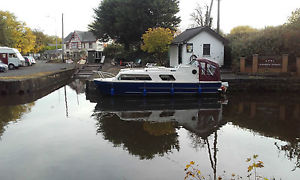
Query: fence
268	64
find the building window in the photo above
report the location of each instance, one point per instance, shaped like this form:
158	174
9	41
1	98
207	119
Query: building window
74	45
90	45
167	77
189	47
206	49
83	45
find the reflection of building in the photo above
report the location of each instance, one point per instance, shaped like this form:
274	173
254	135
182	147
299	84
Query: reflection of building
78	85
80	44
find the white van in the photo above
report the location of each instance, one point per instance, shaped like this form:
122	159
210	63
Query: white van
11	57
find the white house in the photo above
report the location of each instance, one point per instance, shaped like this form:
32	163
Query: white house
83	41
199	42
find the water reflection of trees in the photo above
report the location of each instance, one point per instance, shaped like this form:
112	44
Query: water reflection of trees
271	115
12	114
149	127
140	138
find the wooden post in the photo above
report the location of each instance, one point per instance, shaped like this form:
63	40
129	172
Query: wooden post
255	63
298	66
285	61
242	64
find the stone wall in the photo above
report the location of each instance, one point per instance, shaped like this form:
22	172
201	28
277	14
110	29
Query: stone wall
277	65
264	85
32	85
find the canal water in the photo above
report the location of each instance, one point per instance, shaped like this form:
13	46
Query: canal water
71	134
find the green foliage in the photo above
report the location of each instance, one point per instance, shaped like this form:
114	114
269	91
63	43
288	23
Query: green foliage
50	48
114	50
126	20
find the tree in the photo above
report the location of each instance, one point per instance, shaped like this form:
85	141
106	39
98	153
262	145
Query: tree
200	17
26	41
126	20
294	19
15	34
43	41
157	41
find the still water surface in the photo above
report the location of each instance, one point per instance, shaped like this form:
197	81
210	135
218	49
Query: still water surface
70	135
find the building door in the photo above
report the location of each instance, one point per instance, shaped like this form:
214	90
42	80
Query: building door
4	58
91	56
180	54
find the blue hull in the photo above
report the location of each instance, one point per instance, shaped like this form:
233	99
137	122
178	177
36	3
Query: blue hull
122	88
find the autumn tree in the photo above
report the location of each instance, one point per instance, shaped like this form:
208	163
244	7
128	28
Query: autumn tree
126	20
45	42
157	41
15	33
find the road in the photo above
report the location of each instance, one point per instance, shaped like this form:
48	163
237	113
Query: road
39	67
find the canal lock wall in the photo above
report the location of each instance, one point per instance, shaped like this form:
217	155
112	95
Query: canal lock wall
264	85
36	84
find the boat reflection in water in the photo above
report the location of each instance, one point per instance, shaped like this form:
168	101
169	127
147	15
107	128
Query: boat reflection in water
148	126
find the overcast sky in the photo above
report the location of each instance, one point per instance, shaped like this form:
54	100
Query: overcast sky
46	15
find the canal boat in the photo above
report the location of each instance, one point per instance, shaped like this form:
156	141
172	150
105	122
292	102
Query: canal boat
200	76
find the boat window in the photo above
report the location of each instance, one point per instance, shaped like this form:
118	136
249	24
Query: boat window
141	77
203	72
208	69
166	77
167	113
211	69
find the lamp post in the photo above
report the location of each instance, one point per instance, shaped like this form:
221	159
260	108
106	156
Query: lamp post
62	38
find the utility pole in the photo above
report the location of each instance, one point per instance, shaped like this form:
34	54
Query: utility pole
218	20
208	21
62	38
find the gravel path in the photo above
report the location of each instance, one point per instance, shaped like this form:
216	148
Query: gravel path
40	66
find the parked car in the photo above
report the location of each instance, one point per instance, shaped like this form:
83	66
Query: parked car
31	59
3	67
27	61
11	57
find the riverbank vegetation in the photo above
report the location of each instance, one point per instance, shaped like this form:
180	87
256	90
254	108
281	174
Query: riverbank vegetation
17	34
125	21
272	40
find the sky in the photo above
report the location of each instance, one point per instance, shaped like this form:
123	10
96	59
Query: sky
46	15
